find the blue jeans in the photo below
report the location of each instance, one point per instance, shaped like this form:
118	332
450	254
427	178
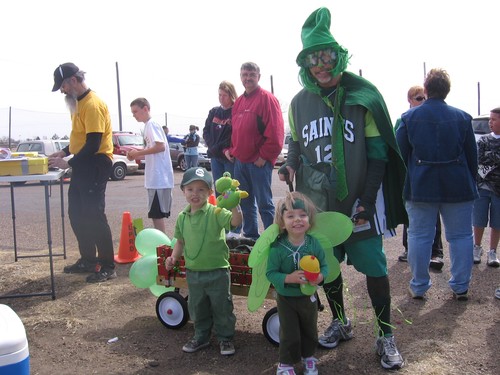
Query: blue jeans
219	166
486	206
256	181
457	220
191	160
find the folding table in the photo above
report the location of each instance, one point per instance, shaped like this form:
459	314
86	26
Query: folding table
46	181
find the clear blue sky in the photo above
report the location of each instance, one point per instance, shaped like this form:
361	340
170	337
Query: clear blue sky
176	53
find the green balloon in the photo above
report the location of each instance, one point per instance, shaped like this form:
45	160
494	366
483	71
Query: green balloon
308	289
158	290
149	239
144	271
172	243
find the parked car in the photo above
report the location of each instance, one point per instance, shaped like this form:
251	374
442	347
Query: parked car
123	142
177	153
121	165
43	147
284	152
481	126
282	157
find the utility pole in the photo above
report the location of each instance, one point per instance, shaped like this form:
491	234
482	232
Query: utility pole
119	97
10	126
478	98
272	85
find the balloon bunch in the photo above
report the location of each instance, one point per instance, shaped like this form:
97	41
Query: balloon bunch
144	271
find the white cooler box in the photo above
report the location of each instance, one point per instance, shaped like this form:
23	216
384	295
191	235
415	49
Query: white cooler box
14	352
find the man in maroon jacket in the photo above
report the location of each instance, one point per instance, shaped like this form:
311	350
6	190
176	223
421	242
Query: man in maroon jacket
256	141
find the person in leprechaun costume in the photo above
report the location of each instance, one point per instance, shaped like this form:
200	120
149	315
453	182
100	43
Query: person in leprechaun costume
344	156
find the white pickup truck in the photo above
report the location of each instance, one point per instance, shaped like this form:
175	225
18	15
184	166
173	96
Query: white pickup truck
121	165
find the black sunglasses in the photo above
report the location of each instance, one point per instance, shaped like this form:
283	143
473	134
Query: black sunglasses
419	98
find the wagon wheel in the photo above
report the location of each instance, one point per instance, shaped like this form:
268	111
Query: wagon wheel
271	326
172	310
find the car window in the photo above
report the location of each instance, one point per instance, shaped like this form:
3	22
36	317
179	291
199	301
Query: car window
175	146
23	147
36	147
130	140
61	144
480	125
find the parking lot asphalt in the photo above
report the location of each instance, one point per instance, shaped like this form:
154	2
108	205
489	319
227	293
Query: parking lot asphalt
121	196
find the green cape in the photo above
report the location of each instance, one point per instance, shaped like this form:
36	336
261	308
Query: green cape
359	91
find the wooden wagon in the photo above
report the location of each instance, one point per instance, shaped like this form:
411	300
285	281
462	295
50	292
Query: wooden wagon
172	308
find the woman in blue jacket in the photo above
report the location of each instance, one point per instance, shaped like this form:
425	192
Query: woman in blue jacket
438	146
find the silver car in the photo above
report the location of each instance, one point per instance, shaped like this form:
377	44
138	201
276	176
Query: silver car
121	165
177	154
481	126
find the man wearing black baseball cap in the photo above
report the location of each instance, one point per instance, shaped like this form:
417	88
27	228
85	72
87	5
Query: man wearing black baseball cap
92	149
62	72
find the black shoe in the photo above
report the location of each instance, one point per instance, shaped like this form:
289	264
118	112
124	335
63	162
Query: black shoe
103	274
461	296
404	257
81	266
436	263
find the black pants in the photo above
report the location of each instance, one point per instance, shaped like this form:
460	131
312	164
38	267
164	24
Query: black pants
298	328
86	204
437	245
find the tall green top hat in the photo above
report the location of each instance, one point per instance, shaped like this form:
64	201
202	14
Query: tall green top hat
316	36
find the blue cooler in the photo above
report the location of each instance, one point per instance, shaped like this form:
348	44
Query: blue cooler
14	353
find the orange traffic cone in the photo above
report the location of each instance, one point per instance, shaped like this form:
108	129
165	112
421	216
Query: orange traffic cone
127	253
212	200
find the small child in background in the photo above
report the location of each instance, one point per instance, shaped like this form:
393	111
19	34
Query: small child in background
298	313
200	234
487	207
191	142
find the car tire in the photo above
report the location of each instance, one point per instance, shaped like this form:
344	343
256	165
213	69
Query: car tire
183	163
118	171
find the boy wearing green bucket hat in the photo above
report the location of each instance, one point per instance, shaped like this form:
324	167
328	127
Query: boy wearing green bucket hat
201	239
